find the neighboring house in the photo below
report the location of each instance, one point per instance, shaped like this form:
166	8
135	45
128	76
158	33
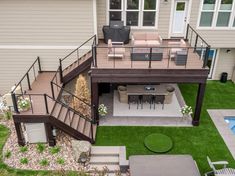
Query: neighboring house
50	29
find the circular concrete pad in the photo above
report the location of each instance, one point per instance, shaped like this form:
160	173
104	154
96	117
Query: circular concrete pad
158	143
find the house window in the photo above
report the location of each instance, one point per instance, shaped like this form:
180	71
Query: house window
234	22
149	12
115	10
132	13
224	13
137	13
216	13
207	14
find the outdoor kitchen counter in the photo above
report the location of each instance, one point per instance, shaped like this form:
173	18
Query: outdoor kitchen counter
141	89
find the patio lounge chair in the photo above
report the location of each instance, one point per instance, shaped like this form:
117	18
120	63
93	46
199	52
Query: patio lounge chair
221	172
115	49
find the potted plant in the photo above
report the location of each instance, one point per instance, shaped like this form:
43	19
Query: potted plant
186	111
5	109
103	110
24	104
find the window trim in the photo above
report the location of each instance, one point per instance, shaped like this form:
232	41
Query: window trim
141	12
215	17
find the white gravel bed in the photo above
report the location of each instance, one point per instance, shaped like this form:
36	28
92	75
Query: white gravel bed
34	157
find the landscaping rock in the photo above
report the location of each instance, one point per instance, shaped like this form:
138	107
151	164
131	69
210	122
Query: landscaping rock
81	150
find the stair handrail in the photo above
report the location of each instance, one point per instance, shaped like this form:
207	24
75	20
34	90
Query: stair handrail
63	89
26	75
46	104
92	37
75	50
71	109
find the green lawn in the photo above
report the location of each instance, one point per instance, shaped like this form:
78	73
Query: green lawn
197	141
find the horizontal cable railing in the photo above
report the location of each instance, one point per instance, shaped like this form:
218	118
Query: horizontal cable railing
170	55
25	84
198	43
76	55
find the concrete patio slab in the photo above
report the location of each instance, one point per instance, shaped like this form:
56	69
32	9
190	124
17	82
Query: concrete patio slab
159	118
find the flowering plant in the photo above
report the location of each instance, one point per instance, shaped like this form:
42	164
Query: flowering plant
186	110
24	103
4	108
103	110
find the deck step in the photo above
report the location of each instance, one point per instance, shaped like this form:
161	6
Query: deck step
105	151
104	160
81	125
63	114
87	128
111	168
75	121
56	110
69	117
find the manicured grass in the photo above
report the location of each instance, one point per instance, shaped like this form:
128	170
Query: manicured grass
196	141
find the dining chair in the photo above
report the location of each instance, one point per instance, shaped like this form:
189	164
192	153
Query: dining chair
133	99
146	99
158	99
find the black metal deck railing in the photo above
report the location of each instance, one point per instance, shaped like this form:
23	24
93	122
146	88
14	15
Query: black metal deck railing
25	82
75	55
163	57
198	43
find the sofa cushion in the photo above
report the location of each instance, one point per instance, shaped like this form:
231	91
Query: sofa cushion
152	43
140	43
139	35
152	36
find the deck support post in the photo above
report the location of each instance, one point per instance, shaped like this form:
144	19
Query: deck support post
199	101
94	101
19	133
50	137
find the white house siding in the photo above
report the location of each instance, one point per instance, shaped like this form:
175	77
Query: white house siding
225	63
101	16
217	38
45	22
43	25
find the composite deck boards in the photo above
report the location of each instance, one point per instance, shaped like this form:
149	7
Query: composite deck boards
193	60
40	86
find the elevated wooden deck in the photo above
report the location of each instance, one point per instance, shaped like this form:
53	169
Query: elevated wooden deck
194	60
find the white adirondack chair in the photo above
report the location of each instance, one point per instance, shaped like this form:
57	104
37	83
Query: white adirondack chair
221	172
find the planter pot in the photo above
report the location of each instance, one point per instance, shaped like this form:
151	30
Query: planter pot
24	110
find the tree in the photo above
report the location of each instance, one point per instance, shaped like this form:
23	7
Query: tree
83	97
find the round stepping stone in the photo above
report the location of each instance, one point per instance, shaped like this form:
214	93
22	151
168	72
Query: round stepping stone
158	143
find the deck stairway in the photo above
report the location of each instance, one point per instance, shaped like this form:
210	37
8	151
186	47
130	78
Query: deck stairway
73	123
77	67
44	89
113	158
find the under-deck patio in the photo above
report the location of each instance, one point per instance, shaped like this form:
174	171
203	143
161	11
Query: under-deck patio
119	114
